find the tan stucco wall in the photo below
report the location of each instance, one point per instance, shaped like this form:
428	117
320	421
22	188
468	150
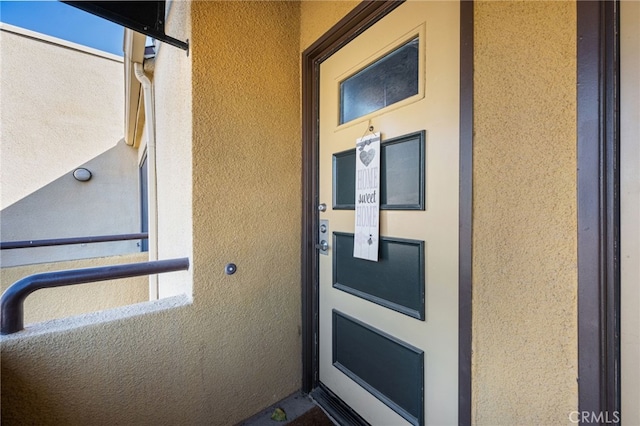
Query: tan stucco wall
235	348
62	302
524	213
246	196
137	365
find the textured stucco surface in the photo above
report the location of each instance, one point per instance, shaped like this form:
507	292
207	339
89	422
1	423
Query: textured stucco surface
524	223
51	303
233	167
133	370
246	197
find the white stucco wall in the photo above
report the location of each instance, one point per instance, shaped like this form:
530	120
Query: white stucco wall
175	177
62	108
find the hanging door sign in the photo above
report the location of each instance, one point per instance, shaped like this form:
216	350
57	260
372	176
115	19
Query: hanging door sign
367	229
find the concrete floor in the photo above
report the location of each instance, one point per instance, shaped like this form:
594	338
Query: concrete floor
294	406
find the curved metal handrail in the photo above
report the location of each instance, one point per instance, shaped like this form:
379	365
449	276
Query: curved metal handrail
8	245
12	300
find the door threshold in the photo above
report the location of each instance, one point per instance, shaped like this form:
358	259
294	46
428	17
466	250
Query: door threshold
336	408
297	408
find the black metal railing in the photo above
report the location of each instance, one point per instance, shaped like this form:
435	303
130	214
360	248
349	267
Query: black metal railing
74	240
12	300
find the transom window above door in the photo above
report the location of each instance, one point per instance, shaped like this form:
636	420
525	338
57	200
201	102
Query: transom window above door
390	79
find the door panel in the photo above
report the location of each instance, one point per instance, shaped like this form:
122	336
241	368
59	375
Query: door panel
389	340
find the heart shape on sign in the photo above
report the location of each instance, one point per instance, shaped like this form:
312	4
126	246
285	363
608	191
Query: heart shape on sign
367	156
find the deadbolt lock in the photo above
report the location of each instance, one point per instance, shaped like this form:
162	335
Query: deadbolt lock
323	246
323	237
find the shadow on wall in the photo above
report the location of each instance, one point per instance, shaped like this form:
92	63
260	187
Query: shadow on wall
108	203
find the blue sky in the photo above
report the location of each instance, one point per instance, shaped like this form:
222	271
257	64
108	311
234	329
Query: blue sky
60	20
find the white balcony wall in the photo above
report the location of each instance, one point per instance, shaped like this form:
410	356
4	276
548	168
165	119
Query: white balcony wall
62	108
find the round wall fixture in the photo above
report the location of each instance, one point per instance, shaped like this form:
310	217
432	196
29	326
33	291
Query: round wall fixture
230	269
82	174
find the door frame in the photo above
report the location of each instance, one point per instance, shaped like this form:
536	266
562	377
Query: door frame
598	147
353	24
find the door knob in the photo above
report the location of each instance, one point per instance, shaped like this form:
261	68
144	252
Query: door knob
322	207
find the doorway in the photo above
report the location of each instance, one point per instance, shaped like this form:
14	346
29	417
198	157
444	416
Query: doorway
370	314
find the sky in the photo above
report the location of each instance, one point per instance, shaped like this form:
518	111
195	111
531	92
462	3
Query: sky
60	20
